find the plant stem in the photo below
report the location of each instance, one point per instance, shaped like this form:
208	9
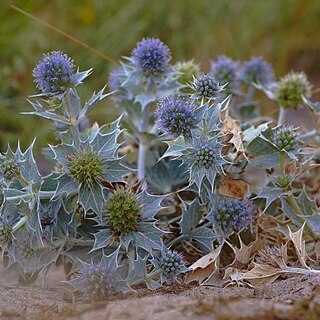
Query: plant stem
73	127
282	113
20	223
308	134
143	147
250	94
282	155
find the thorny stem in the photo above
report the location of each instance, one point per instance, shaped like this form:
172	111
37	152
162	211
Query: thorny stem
282	113
20	223
148	277
73	127
42	195
250	94
143	147
281	155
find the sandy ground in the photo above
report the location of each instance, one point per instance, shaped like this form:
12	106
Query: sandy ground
292	298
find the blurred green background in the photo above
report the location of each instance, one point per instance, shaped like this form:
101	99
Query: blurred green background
285	32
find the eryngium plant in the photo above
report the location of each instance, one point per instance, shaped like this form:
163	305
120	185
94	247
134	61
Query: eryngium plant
125	201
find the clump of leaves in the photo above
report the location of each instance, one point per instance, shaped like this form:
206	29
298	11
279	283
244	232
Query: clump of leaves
186	201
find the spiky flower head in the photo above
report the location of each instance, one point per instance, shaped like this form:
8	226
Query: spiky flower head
172	264
233	214
123	211
225	70
151	56
285	138
257	70
187	70
176	116
5	234
206	155
55	73
205	86
282	181
291	88
9	169
86	166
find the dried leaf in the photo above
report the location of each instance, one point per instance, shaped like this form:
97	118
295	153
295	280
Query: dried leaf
204	267
233	133
235	188
263	274
299	245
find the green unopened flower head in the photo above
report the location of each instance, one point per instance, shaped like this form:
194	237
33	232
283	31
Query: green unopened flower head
282	181
291	88
5	234
285	139
26	252
123	211
187	70
86	167
9	169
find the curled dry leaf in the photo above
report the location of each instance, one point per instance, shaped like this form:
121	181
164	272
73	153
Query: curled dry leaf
234	188
203	268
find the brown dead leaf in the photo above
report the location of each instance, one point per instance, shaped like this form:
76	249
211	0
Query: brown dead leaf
299	245
263	274
233	134
235	188
204	267
233	276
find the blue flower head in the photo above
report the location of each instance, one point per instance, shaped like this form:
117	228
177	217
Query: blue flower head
176	116
55	73
172	263
205	87
225	70
233	214
257	70
151	56
285	138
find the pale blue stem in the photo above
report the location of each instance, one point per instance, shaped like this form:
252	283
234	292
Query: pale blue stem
250	94
308	134
282	113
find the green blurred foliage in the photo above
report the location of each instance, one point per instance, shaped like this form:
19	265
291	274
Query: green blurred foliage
285	32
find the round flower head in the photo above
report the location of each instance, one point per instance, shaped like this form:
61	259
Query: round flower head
123	211
206	156
187	70
86	166
205	86
291	88
172	264
225	70
54	74
176	116
9	169
257	70
5	234
233	214
151	56
285	139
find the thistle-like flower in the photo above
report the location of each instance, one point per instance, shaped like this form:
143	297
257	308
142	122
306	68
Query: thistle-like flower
177	115
291	88
85	166
231	214
285	139
151	56
256	70
205	87
186	71
100	280
283	181
9	169
55	73
129	217
172	264
225	71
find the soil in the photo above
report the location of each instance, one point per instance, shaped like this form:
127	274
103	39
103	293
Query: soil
292	298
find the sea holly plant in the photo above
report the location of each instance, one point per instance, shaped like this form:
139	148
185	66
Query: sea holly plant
190	180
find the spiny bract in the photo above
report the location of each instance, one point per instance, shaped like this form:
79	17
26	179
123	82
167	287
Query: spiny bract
285	138
171	262
205	86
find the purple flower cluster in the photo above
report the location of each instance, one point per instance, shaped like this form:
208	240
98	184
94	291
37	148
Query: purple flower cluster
176	115
151	56
171	262
257	70
225	70
97	280
54	74
233	214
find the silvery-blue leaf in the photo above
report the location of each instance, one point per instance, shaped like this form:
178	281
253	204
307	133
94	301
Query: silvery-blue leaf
204	236
251	133
176	147
102	239
150	204
91	197
191	216
313	221
71	104
267	161
106	144
270	194
307	205
62	152
115	171
289	212
66	185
